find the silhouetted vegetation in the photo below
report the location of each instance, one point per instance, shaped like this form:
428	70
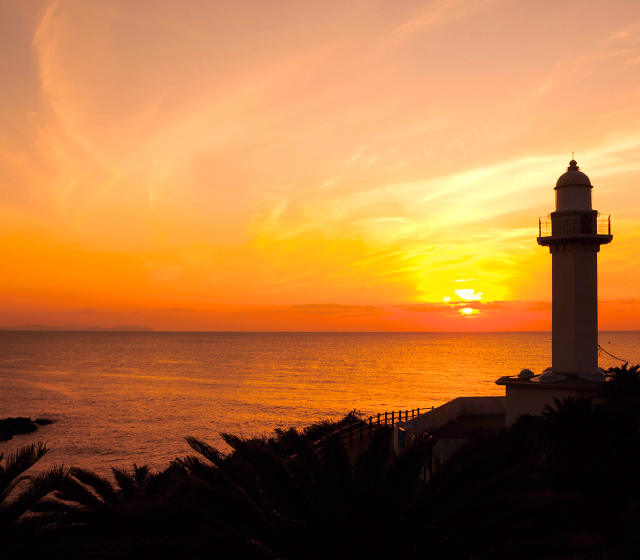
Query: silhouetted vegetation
560	485
281	444
20	493
623	388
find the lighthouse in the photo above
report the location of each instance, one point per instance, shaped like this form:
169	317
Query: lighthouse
574	234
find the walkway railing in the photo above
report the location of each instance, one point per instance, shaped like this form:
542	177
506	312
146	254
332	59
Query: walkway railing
356	430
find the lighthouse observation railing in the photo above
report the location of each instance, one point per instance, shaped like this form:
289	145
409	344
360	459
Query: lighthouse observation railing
582	224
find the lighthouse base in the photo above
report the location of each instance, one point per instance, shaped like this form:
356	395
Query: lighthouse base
527	397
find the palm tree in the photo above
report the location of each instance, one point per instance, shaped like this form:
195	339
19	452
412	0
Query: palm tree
136	514
91	490
316	504
623	386
21	493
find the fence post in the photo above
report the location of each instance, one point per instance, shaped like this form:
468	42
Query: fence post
406	415
378	419
418	412
385	418
399	415
370	425
393	412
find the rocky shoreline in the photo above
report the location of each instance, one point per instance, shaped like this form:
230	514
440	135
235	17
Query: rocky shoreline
10	427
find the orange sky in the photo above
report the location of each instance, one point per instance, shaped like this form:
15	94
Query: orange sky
307	165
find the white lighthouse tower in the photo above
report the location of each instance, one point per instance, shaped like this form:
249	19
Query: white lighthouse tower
574	234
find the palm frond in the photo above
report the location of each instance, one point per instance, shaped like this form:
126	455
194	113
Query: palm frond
204	449
43	484
237	473
126	482
17	463
99	485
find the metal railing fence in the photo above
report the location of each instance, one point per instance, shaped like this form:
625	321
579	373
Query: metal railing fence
356	431
577	225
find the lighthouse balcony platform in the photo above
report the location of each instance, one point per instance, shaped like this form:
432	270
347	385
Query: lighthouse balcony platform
575	226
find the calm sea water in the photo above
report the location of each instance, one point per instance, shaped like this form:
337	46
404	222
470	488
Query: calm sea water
124	397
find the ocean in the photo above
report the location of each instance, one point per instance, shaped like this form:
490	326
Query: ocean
119	398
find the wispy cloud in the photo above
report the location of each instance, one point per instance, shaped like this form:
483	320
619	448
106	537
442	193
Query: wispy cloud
543	306
436	13
334	308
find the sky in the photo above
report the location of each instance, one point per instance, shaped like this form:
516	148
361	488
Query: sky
310	165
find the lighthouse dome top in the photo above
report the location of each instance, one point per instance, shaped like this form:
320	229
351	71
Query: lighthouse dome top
573	176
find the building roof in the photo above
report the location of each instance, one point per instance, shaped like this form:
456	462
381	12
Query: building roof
573	176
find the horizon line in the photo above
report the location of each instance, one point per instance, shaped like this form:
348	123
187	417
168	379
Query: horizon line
141	329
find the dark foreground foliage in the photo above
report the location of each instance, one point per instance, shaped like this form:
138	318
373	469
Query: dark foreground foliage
561	485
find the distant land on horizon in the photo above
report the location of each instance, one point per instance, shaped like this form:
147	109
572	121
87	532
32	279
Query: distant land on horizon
75	328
